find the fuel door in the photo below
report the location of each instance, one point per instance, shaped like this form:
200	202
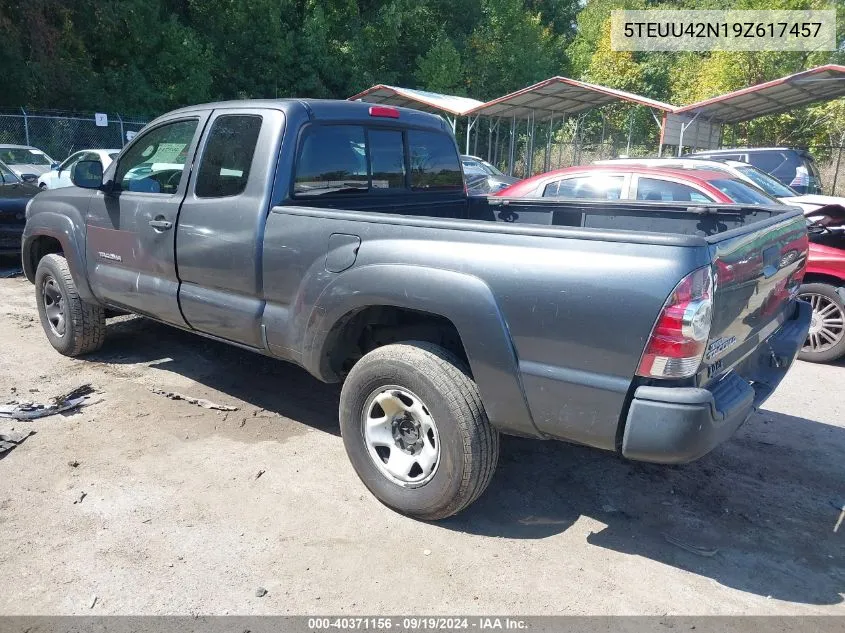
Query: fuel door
342	251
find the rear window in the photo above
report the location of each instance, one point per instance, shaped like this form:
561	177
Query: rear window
352	158
769	161
434	161
742	193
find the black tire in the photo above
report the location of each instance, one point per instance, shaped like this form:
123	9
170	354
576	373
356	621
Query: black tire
468	444
83	325
829	352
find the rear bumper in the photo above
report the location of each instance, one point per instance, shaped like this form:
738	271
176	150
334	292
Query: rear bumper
672	425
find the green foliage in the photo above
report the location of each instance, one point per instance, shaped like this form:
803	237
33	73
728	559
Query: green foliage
148	56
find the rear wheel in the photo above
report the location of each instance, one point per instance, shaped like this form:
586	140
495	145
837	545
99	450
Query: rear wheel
826	337
415	430
72	326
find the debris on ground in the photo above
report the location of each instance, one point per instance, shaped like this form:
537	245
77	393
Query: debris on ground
93	602
840	519
82	495
201	402
10	439
73	463
10	272
259	473
707	552
260	592
33	410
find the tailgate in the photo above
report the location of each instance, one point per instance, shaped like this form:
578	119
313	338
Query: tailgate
756	275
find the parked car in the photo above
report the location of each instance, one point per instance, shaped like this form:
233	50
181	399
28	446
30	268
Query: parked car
490	179
742	171
27	162
793	167
338	235
14	196
824	281
638	182
59	176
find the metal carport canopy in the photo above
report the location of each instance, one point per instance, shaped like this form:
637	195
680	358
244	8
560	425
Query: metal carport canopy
773	97
417	99
560	95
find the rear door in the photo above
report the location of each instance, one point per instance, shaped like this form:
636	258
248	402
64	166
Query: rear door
756	274
221	226
131	229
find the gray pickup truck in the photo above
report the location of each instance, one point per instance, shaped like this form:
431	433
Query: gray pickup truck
338	236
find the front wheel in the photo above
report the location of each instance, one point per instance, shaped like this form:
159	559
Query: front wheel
826	337
415	430
72	326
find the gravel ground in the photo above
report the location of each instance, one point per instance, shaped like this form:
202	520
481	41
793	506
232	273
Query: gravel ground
176	519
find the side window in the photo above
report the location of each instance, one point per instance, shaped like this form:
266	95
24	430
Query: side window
332	158
473	167
666	191
156	160
387	158
227	158
551	189
70	161
434	161
592	187
6	175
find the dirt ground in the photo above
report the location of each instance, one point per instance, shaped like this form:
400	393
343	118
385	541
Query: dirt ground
176	520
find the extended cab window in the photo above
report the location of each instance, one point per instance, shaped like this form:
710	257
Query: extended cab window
227	158
156	160
332	158
434	161
387	158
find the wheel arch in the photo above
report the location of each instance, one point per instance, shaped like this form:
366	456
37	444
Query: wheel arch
448	298
48	233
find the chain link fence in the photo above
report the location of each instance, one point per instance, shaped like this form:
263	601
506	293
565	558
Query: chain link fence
60	134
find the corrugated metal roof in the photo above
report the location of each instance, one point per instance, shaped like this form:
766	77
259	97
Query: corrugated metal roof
559	95
773	97
417	99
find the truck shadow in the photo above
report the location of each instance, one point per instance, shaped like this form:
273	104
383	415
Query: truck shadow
277	387
756	515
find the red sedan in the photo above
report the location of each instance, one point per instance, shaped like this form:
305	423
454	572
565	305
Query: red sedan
824	282
633	182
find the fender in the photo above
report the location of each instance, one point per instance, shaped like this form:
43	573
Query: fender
62	228
463	299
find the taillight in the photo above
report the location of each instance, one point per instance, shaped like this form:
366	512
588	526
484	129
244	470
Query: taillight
384	111
679	336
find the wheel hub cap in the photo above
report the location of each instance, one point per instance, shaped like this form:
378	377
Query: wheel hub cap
401	436
827	325
54	306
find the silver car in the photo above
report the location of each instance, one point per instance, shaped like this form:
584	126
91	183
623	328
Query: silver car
26	162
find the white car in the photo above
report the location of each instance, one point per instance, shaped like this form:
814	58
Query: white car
60	176
742	171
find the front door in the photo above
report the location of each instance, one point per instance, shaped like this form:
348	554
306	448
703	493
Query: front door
131	228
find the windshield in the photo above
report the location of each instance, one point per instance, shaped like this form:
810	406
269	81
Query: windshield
742	193
490	169
24	156
770	185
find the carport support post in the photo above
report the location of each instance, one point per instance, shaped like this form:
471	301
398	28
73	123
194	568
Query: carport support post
529	162
496	146
25	126
836	171
489	138
630	131
510	150
548	158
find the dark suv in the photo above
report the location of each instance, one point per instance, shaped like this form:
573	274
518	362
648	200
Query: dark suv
793	167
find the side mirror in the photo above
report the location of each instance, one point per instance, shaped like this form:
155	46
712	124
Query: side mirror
54	166
87	174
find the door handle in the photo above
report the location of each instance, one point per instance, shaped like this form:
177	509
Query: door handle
161	224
